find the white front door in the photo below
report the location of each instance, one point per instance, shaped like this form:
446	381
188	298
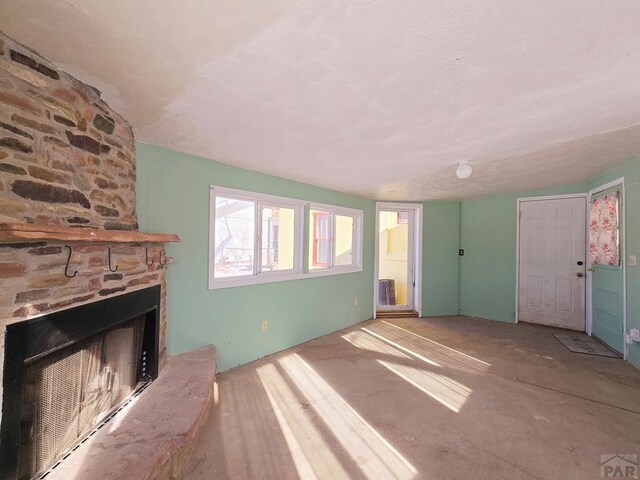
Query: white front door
552	262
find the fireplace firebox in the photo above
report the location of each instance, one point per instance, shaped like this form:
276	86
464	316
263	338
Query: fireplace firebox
67	371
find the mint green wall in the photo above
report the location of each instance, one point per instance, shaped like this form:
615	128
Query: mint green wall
631	173
440	240
173	196
488	235
488	267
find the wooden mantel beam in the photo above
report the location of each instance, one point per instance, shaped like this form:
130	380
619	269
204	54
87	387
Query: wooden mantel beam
33	233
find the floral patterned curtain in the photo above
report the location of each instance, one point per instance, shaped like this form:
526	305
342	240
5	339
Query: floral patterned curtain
604	228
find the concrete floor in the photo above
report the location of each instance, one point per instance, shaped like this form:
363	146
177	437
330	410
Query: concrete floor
433	398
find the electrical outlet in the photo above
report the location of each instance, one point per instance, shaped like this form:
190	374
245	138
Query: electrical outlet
632	260
355	302
265	326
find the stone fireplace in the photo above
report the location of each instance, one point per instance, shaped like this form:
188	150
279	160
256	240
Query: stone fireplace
73	265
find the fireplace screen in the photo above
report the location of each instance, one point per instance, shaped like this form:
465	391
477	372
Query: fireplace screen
67	393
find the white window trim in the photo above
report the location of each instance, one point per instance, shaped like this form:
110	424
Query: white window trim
258	276
358	234
300	271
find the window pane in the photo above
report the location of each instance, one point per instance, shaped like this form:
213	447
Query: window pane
278	238
234	237
604	228
319	239
344	240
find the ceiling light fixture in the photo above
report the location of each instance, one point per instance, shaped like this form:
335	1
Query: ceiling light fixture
464	169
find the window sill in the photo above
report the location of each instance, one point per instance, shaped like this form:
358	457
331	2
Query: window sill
217	284
323	272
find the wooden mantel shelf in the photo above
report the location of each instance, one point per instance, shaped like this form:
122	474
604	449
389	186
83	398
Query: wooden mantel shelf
29	233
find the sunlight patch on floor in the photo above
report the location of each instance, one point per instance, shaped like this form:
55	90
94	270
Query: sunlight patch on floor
311	455
377	343
366	342
404	349
441	388
458	353
373	454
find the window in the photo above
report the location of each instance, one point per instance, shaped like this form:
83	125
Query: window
235	232
254	238
334	239
344	240
604	228
278	239
321	247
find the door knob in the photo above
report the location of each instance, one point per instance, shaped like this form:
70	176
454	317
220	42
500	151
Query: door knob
580	274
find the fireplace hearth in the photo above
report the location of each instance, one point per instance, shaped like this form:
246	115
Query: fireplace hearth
64	372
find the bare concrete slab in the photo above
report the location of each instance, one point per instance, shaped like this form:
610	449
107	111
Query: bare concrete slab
152	437
435	398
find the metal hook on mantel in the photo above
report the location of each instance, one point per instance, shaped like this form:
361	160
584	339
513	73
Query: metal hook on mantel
66	268
111	269
146	257
160	258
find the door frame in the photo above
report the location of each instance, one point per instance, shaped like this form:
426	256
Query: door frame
416	209
520	200
623	260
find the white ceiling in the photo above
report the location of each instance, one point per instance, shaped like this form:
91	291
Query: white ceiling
372	97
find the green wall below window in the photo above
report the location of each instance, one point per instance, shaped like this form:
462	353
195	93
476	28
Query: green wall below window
173	196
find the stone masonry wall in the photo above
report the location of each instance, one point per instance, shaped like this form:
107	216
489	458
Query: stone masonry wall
66	158
32	280
61	148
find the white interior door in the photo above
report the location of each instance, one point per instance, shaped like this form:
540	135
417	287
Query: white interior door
552	257
396	282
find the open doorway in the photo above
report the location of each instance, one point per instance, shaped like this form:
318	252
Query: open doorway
398	260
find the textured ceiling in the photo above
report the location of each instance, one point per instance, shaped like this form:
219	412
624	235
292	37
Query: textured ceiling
371	97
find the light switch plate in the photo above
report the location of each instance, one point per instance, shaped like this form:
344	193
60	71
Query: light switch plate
632	260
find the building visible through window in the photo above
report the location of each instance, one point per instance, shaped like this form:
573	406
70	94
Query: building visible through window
321	254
